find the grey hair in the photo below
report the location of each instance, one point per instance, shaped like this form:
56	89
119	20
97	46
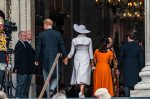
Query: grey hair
59	95
2	95
20	33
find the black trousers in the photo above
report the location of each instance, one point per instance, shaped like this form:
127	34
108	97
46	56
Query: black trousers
2	73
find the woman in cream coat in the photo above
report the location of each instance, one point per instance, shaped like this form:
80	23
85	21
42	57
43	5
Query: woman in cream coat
84	52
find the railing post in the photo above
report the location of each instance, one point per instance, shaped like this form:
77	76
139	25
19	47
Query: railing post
57	77
48	96
50	74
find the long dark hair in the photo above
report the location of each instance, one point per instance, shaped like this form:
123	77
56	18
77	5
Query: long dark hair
103	45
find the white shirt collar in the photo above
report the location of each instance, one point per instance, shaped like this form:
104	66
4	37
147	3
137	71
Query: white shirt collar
23	43
28	41
131	40
49	28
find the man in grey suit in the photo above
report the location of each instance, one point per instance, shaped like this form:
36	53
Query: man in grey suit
50	43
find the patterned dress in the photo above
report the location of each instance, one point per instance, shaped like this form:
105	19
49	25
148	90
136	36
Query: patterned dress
115	77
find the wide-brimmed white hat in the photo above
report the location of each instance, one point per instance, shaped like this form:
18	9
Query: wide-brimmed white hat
80	29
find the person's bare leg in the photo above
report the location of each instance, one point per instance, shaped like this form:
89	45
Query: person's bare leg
82	88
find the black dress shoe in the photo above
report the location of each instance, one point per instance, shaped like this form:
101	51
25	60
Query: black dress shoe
51	92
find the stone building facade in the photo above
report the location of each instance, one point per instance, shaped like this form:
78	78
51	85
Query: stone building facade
29	15
22	13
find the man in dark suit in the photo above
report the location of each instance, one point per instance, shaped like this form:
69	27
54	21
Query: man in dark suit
31	58
50	42
133	63
21	66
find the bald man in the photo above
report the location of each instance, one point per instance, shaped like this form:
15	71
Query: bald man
31	57
49	43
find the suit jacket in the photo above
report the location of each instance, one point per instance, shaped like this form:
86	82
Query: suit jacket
31	56
21	59
133	62
50	43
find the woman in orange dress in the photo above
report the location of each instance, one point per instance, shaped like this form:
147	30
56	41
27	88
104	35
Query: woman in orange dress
102	77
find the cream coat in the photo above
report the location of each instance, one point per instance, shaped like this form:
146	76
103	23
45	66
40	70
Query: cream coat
84	52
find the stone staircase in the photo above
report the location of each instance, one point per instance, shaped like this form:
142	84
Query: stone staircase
94	98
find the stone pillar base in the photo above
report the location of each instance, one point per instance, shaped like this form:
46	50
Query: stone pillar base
139	93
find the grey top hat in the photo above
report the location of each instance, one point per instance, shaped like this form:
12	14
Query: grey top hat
80	29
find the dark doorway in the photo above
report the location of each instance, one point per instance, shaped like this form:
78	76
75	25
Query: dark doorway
101	21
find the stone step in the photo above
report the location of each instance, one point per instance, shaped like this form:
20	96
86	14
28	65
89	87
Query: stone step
95	98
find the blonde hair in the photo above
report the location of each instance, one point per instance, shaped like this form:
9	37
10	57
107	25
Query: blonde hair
2	95
48	22
59	95
102	93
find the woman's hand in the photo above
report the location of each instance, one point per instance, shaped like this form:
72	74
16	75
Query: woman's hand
66	60
117	72
92	65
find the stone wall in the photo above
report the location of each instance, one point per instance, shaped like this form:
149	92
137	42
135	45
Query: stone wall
22	15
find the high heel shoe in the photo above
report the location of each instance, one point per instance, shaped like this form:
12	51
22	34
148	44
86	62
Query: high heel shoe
81	95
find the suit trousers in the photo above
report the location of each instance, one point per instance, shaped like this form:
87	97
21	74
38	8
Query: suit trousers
23	85
51	85
127	90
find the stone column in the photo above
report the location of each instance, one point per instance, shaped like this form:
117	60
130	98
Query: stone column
142	89
31	26
3	5
14	18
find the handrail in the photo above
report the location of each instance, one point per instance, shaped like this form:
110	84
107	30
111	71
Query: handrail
50	74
